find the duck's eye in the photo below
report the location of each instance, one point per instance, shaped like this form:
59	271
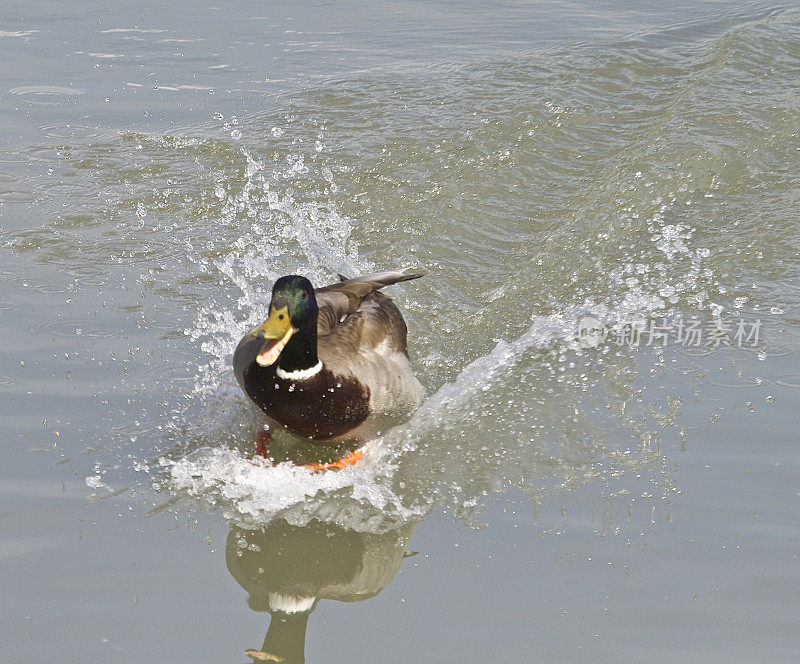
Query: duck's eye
303	295
280	316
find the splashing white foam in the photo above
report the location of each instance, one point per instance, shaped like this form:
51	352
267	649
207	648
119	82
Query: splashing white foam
251	493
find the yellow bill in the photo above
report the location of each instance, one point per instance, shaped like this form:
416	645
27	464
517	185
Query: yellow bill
276	330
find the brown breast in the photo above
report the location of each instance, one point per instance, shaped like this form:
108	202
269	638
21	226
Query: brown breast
322	407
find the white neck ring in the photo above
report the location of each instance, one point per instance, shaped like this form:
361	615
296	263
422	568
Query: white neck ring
299	374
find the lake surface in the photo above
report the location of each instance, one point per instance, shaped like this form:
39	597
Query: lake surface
605	202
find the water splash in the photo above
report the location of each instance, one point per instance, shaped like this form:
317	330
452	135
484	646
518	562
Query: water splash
384	490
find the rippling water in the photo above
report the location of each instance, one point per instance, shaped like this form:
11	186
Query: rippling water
550	166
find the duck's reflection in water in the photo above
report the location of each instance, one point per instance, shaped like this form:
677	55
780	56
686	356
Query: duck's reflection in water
287	569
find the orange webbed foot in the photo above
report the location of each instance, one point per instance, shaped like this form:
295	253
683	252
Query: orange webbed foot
345	461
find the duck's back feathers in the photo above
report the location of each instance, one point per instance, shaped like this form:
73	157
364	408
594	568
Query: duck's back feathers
362	333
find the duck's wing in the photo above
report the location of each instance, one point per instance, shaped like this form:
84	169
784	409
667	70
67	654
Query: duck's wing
341	300
361	333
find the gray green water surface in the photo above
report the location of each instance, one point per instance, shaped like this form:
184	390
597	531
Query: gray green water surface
552	167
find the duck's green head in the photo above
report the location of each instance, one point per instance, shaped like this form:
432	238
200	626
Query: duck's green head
293	309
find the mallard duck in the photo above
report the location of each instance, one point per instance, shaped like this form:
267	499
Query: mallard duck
330	364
